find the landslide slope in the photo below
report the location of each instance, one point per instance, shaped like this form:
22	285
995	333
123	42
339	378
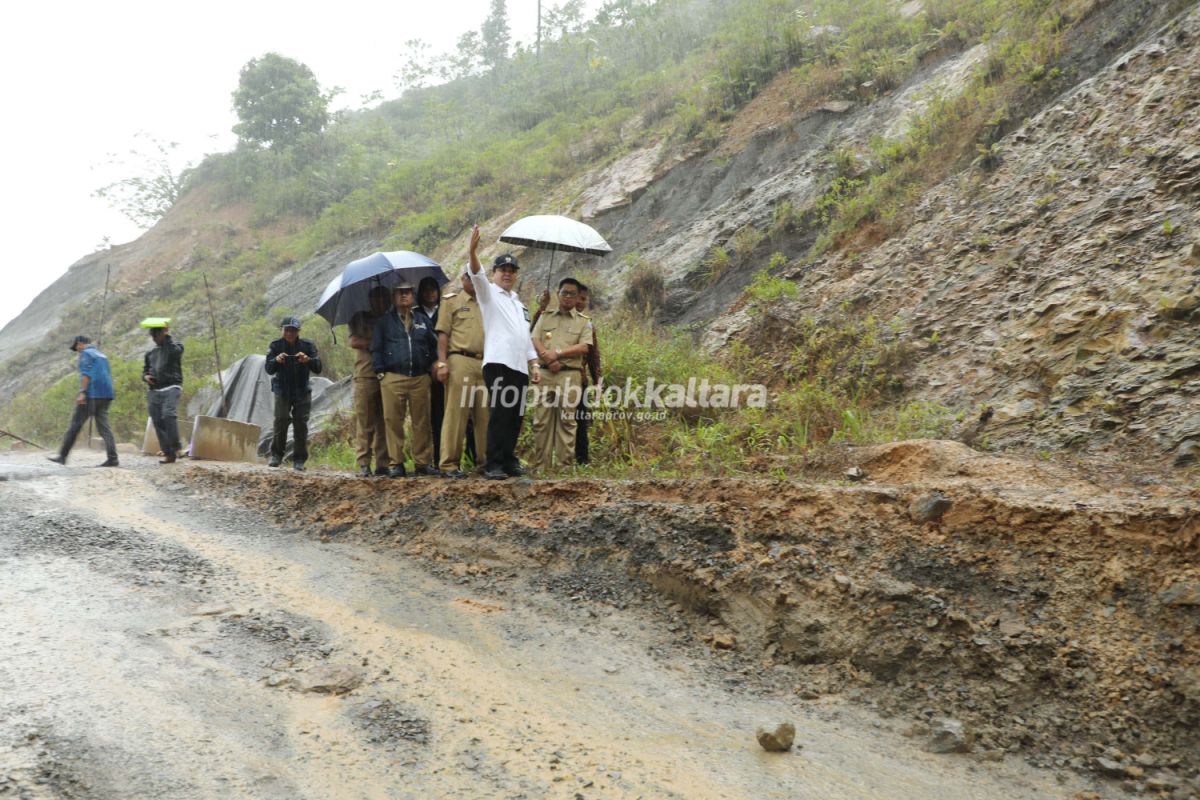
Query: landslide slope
1060	289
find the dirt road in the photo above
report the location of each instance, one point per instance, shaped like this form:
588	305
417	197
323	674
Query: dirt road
163	643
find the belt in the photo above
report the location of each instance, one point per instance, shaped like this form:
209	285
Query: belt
573	369
467	353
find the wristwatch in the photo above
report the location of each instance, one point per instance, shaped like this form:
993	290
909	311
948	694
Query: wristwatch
439	364
379	375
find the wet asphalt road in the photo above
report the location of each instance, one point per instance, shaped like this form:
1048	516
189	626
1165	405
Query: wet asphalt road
157	643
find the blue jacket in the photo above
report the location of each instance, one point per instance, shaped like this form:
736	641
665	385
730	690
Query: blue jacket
94	364
396	348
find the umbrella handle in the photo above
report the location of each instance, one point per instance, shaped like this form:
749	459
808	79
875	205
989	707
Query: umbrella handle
550	271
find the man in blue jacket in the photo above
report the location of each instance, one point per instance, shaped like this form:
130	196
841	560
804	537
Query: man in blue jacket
290	360
95	395
403	350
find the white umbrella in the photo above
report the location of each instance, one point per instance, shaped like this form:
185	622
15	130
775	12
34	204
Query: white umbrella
557	234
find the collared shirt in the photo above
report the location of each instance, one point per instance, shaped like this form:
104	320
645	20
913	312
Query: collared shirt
558	330
462	324
362	325
505	325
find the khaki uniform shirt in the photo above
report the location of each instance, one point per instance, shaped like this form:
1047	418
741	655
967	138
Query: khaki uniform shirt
556	330
461	320
363	324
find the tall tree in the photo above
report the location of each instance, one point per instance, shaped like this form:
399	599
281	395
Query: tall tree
495	36
277	100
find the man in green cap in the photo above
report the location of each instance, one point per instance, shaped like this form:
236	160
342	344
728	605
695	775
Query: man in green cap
162	372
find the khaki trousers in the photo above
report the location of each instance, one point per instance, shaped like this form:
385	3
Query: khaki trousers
370	433
554	420
466	399
402	396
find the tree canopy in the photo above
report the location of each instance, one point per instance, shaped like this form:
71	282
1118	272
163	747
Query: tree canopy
277	100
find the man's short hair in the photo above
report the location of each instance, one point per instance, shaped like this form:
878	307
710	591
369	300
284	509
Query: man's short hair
80	339
583	288
569	282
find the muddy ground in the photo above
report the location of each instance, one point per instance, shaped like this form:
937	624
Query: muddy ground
218	630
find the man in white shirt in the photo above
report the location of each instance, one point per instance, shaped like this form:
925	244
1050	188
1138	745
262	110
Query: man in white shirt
509	360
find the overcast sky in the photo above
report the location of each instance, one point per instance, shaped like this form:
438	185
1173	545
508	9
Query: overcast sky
83	78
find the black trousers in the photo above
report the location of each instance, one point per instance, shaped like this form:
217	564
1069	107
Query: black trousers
92	408
437	411
294	410
583	416
506	409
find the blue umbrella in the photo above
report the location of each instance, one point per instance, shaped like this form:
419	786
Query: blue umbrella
349	293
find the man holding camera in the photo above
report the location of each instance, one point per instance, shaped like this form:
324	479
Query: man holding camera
290	360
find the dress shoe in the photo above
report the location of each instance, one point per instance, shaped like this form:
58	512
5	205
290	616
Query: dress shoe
428	471
274	462
397	472
57	460
496	475
112	462
298	466
455	473
516	471
168	458
364	472
381	472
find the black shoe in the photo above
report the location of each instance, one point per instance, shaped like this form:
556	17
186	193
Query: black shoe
274	462
428	471
364	472
496	475
112	462
298	466
455	473
381	472
169	458
516	471
397	472
57	459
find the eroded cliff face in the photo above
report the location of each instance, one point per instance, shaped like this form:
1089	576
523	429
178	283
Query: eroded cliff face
1062	288
31	344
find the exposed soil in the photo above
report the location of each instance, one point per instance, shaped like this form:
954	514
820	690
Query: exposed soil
1055	617
165	638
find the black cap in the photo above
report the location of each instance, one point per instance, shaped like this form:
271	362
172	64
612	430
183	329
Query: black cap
80	339
290	322
506	260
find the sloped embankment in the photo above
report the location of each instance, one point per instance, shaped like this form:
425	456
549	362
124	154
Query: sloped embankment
1052	616
1062	286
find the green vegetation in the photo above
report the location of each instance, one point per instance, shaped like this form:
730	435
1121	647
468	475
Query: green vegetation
515	122
277	101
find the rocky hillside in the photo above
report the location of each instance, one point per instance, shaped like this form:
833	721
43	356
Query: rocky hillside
1049	287
1058	293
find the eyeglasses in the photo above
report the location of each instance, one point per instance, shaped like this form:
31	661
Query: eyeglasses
568	294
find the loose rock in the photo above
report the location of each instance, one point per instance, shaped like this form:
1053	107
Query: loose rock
331	680
929	508
947	736
779	739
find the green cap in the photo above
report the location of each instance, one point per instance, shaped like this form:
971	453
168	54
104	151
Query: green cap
156	322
